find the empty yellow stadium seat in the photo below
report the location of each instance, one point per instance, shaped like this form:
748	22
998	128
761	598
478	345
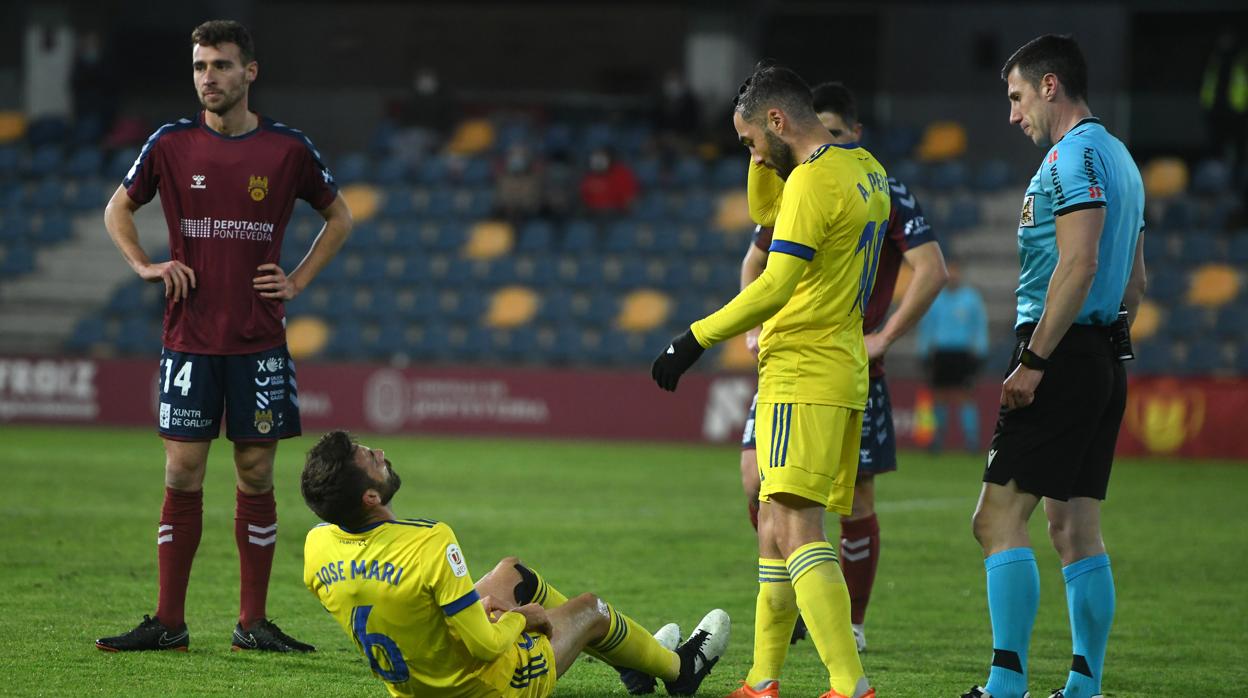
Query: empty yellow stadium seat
1165	177
306	336
489	239
12	126
737	357
733	213
1213	285
472	137
643	310
362	199
1147	320
942	140
512	306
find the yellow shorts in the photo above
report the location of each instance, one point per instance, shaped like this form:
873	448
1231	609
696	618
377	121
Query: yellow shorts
810	451
528	670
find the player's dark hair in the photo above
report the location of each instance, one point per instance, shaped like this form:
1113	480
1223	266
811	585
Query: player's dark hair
773	85
1051	53
835	97
332	483
215	32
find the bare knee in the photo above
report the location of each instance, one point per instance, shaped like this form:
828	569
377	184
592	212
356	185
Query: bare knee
253	465
1060	534
601	622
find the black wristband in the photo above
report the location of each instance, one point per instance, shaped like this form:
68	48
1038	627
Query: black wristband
1032	360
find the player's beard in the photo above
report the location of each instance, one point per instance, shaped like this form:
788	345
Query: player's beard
228	101
390	486
782	158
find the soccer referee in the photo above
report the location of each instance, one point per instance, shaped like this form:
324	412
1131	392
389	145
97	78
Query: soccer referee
1080	242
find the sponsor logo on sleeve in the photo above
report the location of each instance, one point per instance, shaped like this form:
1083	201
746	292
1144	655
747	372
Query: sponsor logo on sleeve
1027	217
456	559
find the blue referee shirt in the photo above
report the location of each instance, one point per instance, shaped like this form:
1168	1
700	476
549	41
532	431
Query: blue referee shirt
1087	168
957	321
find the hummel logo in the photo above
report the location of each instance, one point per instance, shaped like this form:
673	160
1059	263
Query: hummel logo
992	453
165	641
199	182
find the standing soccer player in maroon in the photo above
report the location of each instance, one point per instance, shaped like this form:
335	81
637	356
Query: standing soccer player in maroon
228	179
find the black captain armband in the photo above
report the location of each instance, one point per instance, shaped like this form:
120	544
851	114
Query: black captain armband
1032	360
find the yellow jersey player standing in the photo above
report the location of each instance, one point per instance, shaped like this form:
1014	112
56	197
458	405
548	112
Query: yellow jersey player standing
400	589
812	369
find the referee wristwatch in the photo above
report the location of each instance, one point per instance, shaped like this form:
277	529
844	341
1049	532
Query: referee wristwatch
1032	360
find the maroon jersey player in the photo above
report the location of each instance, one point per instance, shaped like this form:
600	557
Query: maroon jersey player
228	179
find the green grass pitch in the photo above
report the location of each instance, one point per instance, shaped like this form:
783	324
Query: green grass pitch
659	530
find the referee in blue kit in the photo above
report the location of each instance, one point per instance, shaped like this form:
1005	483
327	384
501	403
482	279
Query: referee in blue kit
1080	242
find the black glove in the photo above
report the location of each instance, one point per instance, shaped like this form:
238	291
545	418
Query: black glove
675	360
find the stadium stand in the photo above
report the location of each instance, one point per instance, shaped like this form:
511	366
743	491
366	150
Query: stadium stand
431	275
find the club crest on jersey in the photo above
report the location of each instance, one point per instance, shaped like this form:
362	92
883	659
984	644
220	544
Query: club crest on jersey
1027	217
456	560
264	421
197	182
258	187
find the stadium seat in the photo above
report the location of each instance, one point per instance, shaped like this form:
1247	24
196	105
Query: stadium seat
993	175
643	310
735	356
351	168
1147	320
942	140
1212	177
1213	285
729	173
1199	247
688	172
87	161
17	259
12	126
54	226
512	306
48	194
1182	322
580	237
489	240
120	162
536	236
363	199
649	172
10	161
898	142
45	161
699	207
1165	177
471	137
732	211
476	172
1156	247
1167	286
88	334
1153	358
624	237
963	213
908	172
1237	252
1204	357
947	176
1232	324
306	336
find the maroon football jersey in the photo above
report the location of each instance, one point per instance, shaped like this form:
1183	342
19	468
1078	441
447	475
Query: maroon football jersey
227	200
907	228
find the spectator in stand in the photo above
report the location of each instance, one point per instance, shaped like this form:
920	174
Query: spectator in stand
677	116
425	117
953	339
518	185
609	186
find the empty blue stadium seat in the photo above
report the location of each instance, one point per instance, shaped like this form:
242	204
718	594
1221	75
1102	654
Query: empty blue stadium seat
55	226
963	213
120	162
1167	285
649	172
1204	357
947	176
536	236
390	171
1210	178
992	175
1199	247
1180	215
1237	248
351	168
10	161
19	258
908	172
87	161
45	161
47	130
1183	321
729	173
580	237
688	171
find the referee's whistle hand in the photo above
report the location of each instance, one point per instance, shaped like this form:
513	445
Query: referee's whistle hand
1019	390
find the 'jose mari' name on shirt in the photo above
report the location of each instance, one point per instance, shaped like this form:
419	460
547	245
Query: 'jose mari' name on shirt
359	569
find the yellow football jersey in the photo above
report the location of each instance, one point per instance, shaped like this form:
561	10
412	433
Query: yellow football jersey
833	213
394	587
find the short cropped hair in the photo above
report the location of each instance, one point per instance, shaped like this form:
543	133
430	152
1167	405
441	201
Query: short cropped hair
773	85
215	32
333	485
1055	54
835	97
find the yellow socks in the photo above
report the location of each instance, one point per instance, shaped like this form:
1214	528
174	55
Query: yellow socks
775	614
824	600
627	644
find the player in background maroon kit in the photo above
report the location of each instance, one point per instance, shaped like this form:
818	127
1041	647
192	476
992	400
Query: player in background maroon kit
228	180
907	239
